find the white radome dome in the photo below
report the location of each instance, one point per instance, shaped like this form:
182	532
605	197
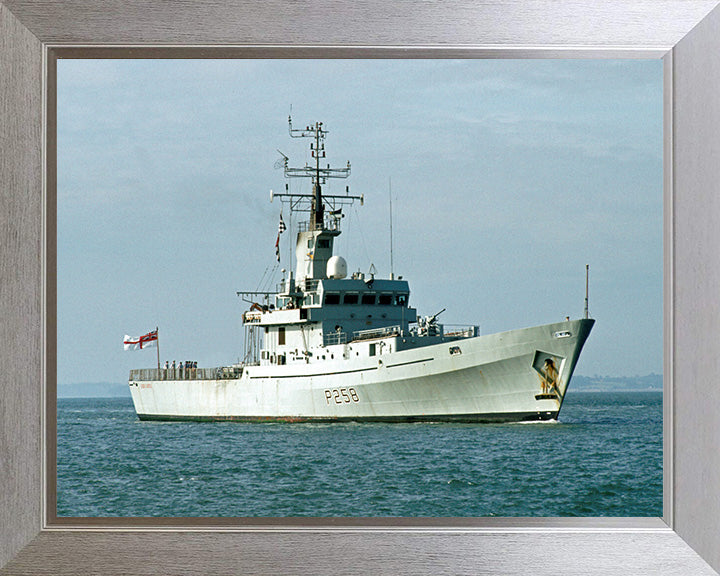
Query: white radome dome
336	267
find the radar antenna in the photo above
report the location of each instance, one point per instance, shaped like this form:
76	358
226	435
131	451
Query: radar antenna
319	176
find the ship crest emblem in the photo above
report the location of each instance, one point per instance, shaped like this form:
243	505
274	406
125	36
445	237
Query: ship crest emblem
548	368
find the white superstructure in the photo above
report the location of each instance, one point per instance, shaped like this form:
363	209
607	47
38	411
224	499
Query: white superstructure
329	347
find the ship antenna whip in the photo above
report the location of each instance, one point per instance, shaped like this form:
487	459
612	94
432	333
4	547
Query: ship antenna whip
392	268
587	274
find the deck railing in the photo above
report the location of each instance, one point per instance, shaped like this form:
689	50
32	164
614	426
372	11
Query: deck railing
221	373
461	331
377	333
334	338
451	331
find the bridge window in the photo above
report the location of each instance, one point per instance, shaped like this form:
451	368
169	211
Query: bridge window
351	298
323	243
401	299
368	299
332	298
385	299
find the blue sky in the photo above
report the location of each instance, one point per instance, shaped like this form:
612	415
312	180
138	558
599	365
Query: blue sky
508	176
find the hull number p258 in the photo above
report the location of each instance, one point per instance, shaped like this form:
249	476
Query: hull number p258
341	396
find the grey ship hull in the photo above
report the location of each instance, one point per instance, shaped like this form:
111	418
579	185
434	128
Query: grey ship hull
494	378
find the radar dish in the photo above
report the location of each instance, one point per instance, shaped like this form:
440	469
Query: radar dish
336	268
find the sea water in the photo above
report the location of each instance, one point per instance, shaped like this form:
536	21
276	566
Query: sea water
602	458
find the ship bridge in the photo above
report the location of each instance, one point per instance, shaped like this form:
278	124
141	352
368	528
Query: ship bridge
359	304
317	303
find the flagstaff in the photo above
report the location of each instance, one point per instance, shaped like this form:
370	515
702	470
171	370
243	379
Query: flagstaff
157	335
587	277
145	341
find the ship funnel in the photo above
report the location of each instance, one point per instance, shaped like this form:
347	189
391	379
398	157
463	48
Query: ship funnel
336	268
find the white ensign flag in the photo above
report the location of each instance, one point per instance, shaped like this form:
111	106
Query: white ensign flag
149	340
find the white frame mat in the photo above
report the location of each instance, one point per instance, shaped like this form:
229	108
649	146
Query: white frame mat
684	33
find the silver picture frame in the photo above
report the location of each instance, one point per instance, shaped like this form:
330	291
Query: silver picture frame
684	33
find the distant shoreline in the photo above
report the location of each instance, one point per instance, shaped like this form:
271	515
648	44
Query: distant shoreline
648	383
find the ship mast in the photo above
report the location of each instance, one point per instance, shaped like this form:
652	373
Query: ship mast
317	210
317	174
314	246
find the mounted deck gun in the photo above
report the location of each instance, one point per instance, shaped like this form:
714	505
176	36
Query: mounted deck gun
428	326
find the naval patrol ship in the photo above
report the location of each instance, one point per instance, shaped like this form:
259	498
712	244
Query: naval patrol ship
328	347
